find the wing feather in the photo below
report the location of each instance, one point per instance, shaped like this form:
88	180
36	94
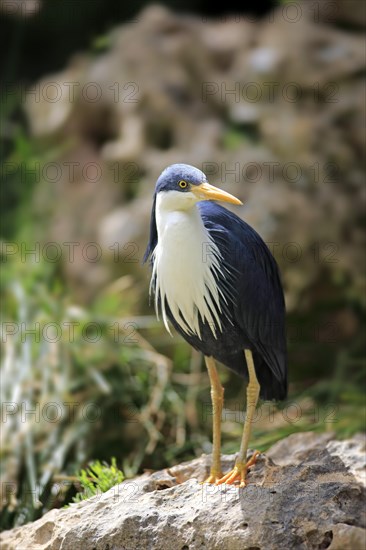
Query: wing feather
258	306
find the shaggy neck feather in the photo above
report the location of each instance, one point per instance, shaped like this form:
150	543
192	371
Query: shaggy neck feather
186	261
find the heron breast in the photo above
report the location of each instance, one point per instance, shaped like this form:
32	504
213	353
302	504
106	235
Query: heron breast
184	274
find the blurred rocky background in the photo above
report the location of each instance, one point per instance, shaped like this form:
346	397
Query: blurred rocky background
271	106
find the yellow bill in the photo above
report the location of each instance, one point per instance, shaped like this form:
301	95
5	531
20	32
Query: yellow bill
206	191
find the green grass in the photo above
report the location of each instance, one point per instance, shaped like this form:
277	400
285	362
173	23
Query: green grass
98	478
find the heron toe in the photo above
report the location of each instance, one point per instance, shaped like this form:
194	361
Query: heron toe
239	472
214	477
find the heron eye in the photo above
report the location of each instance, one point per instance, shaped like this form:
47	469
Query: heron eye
183	184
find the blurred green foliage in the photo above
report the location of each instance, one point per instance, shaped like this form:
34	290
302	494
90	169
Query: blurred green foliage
98	478
73	380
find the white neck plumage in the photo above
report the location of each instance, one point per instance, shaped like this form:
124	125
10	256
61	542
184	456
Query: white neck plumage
186	265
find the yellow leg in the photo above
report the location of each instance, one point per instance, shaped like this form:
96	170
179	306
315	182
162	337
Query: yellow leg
241	466
217	397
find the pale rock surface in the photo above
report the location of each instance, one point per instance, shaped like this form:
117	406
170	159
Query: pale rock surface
306	493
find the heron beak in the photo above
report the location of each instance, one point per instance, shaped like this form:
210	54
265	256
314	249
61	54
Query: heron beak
206	191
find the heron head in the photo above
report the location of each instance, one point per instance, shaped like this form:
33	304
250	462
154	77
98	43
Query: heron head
184	185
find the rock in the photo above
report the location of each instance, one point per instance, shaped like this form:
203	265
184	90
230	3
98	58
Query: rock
347	536
344	12
123	226
313	499
293	448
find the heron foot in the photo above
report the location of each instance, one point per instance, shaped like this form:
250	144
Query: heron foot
214	477
239	472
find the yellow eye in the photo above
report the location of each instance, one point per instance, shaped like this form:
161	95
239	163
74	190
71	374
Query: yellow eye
183	184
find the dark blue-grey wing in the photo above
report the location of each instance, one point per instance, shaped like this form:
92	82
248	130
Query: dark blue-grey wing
258	305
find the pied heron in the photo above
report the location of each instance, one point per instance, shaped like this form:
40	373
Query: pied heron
216	282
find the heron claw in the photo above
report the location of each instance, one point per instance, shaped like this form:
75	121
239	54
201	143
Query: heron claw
239	472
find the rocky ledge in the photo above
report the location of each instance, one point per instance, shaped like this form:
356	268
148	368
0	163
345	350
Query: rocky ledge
306	492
